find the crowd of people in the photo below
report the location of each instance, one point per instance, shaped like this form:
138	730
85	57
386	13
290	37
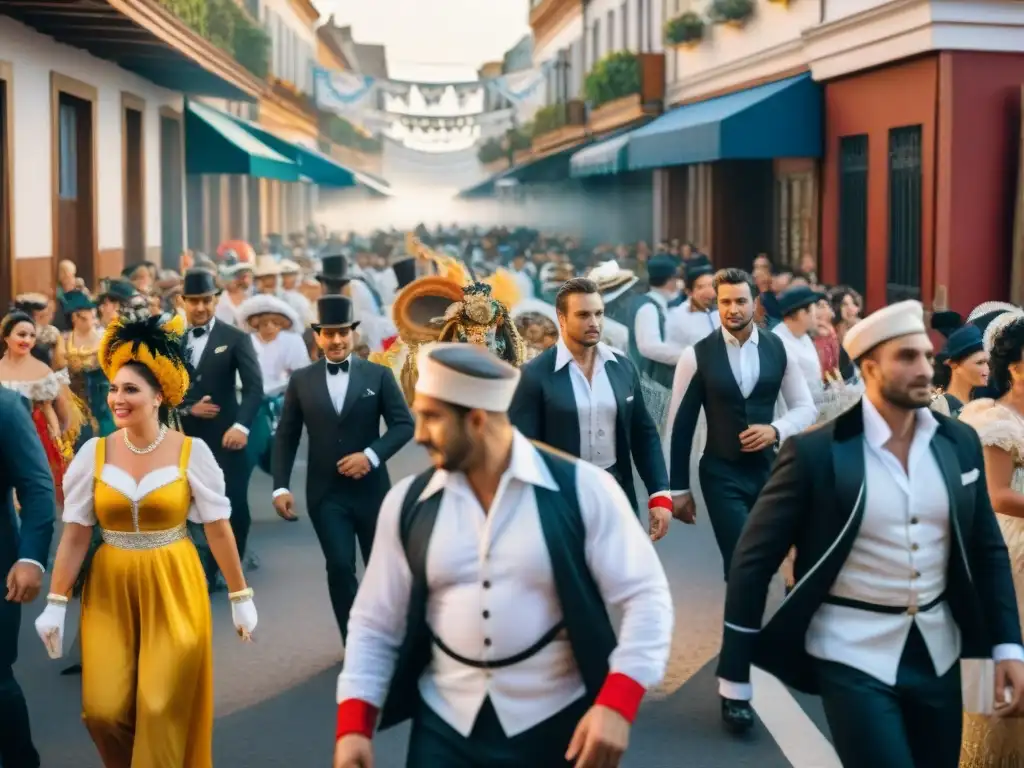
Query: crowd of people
537	374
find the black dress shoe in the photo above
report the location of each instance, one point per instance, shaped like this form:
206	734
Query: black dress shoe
738	716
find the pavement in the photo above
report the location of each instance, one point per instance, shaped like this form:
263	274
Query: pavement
275	698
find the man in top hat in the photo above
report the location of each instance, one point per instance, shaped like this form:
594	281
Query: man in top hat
340	400
483	614
900	564
337	277
220	355
649	350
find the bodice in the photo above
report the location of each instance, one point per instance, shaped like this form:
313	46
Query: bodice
82	358
161	499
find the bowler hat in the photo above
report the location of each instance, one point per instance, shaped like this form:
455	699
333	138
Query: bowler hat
796	298
405	271
334	312
199	282
963	342
74	301
117	290
334	269
661	268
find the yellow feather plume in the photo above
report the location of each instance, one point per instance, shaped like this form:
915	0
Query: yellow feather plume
504	288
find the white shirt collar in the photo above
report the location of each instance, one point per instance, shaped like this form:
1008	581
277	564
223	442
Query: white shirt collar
563	356
877	432
526	465
730	339
208	326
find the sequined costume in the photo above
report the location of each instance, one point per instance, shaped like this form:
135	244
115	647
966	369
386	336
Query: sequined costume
90	387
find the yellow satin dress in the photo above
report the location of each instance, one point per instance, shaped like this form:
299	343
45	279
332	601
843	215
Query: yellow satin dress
147	655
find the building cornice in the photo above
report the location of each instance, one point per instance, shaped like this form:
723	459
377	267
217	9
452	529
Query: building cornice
779	60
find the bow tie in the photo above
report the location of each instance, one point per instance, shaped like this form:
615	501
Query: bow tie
333	368
199	331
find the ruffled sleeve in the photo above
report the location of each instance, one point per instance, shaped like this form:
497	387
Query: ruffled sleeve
209	502
78	486
46	389
997	427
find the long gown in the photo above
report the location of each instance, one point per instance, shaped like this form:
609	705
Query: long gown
147	656
989	741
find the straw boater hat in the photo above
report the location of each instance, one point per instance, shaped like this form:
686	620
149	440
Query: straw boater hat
289	267
266	266
611	280
265	304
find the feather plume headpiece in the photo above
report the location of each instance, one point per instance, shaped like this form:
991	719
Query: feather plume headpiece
153	341
998	325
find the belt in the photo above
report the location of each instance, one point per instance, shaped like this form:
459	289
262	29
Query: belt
144	539
534	649
893	610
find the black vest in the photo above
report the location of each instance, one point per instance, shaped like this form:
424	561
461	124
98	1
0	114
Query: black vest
585	616
728	413
658	372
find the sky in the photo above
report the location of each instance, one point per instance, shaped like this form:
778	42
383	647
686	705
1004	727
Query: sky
434	40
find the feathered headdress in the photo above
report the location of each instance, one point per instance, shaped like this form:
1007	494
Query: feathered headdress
155	342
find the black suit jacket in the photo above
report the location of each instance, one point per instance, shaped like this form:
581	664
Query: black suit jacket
23	468
228	352
544	409
372	394
814	501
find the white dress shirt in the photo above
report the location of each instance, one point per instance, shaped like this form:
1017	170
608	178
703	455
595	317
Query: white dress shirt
685	326
801	350
746	369
647	331
595	404
195	347
492	594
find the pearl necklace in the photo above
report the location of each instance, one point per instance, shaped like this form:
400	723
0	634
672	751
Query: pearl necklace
149	448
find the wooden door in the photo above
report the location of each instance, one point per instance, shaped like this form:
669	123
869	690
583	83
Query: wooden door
74	180
172	213
134	188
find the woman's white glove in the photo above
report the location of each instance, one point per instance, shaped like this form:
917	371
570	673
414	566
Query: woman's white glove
243	614
50	627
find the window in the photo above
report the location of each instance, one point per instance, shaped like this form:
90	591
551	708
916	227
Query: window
853	211
904	277
624	15
611	31
68	148
795	205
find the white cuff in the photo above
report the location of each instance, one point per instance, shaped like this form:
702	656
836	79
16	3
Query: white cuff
1008	652
372	456
40	565
784	428
280	492
240	428
727	689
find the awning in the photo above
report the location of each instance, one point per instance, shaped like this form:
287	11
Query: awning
216	144
374	184
549	168
605	157
780	119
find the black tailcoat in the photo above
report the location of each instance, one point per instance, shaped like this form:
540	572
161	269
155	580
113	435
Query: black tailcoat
372	394
544	409
815	501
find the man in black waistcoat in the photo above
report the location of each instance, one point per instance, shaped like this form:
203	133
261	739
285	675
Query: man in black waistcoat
499	644
582	397
736	375
340	400
220	355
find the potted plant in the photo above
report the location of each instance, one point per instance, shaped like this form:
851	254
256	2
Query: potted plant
615	76
735	13
686	30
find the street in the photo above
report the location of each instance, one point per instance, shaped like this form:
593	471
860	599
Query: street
276	698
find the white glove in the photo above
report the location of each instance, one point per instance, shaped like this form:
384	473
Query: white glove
50	627
243	614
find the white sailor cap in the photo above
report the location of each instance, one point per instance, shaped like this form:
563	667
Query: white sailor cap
466	375
900	319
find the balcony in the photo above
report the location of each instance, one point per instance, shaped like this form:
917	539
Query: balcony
558	126
625	88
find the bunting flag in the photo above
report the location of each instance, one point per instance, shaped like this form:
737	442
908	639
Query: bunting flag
341	91
466	91
432	94
519	86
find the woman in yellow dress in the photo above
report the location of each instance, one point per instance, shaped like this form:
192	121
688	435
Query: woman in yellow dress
147	675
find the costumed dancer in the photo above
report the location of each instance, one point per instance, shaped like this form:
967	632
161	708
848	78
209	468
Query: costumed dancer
220	354
582	382
88	384
340	400
901	566
274	326
147	656
545	545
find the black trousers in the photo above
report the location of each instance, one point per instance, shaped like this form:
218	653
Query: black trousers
730	489
435	744
16	748
339	525
915	723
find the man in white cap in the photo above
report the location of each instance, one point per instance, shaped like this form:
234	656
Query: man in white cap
900	564
493	635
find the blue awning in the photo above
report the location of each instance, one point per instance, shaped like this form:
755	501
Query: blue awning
780	119
605	157
215	144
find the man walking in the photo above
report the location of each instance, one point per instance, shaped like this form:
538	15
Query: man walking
24	471
340	400
900	564
483	615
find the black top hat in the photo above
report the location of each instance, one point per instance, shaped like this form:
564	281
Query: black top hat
74	301
335	312
334	269
118	290
796	298
946	322
405	271
200	282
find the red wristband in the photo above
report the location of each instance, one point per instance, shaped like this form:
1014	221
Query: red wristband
659	501
356	716
622	694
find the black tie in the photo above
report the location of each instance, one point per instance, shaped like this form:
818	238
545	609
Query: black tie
197	332
333	368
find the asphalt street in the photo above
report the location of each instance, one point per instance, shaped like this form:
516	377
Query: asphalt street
276	698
